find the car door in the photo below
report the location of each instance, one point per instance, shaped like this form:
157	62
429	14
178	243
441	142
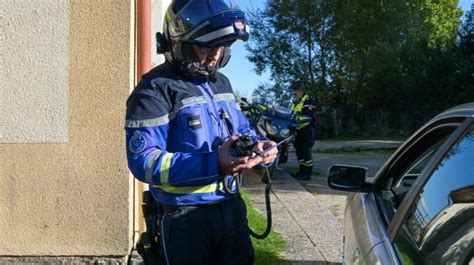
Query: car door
371	214
435	224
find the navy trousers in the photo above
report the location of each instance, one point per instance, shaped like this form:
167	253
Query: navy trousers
304	141
206	234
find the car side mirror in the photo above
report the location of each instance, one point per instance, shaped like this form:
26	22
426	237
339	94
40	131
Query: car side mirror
348	178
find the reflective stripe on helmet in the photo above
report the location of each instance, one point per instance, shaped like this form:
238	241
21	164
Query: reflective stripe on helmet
216	34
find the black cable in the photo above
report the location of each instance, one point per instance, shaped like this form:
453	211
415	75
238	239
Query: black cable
269	216
228	185
266	178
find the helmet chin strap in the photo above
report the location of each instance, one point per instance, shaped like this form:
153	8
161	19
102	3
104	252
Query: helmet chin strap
192	67
225	57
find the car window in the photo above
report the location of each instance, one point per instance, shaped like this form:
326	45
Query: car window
408	177
439	228
401	176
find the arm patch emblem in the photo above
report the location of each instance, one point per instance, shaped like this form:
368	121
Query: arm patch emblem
137	143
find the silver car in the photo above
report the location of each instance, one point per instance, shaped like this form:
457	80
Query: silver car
419	207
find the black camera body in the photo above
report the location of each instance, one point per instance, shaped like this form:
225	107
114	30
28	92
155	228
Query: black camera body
243	146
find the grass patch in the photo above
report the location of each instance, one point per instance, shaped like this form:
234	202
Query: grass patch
267	251
334	209
358	151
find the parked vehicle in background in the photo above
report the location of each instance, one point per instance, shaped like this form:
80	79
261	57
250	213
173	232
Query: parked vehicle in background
273	123
419	207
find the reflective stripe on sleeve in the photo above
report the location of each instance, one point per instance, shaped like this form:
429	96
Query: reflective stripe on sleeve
147	123
151	164
165	168
224	96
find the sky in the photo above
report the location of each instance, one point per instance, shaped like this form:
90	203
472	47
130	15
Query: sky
240	70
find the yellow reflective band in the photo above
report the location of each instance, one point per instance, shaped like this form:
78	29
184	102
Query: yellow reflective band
298	108
302	163
191	189
165	167
302	125
304	118
168	17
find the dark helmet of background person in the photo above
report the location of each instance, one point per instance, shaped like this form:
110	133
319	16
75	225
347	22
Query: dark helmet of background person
296	85
205	23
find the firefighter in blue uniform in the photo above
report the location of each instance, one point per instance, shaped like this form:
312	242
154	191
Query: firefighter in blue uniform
302	111
181	120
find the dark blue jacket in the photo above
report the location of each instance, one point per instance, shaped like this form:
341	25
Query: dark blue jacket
171	126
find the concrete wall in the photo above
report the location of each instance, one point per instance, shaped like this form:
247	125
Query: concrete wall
35	67
67	69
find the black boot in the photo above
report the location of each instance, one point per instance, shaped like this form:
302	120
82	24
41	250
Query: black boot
298	174
306	173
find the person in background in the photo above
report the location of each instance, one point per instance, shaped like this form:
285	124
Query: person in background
181	122
302	111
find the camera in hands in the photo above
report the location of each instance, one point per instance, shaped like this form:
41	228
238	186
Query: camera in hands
243	146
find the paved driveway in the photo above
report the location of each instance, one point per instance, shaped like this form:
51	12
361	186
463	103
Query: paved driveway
307	214
368	153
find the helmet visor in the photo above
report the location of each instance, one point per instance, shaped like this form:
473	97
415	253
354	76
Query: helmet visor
196	11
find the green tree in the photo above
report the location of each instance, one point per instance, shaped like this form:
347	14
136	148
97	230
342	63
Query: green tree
465	66
271	94
289	41
400	57
383	47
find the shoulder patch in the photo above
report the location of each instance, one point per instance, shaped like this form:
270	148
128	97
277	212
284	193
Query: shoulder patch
137	143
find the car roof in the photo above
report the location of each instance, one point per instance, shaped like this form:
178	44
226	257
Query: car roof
460	111
464	110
